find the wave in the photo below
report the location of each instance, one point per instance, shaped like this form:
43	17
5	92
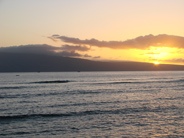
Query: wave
161	78
54	81
85	104
180	80
113	82
7	96
46	94
175	98
120	82
12	87
90	112
139	82
28	95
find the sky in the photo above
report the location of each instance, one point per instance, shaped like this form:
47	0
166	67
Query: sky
117	30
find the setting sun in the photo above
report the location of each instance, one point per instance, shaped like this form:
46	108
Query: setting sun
156	62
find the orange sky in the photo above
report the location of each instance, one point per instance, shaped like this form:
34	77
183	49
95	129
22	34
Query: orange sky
141	30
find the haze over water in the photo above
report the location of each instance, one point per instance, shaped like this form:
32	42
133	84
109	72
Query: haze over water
92	104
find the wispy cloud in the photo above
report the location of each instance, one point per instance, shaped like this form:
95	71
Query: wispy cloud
72	48
151	53
174	60
141	42
52	39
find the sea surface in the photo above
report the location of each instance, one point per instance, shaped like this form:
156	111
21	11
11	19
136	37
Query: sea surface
92	104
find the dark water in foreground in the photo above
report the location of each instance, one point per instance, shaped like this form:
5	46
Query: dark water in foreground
92	104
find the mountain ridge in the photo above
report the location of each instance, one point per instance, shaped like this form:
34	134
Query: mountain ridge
27	62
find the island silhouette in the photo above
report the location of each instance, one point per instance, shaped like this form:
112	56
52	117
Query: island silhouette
26	62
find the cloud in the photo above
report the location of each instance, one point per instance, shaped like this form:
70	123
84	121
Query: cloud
86	55
141	42
72	48
175	60
151	53
97	57
44	49
52	39
38	49
179	51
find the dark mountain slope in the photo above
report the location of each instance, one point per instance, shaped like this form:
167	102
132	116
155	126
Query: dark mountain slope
11	62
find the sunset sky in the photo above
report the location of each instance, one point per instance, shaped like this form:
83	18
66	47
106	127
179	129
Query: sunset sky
123	30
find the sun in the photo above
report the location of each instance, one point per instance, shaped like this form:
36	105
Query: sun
156	63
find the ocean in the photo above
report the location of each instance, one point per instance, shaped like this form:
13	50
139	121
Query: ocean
92	104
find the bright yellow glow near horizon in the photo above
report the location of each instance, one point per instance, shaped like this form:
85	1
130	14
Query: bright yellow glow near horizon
156	55
161	54
156	63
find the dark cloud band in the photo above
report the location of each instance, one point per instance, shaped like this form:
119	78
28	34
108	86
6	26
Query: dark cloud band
45	49
141	42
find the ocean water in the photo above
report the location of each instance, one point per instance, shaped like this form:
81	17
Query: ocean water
92	104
